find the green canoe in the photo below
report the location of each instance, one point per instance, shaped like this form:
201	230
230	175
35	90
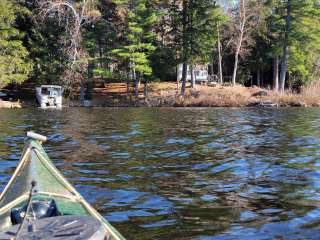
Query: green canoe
35	165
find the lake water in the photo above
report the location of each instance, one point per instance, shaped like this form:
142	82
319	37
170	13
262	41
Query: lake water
184	173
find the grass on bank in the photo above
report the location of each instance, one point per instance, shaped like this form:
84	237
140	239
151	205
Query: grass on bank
240	96
167	94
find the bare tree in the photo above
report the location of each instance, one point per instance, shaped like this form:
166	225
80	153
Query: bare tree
72	17
246	17
219	55
285	55
276	73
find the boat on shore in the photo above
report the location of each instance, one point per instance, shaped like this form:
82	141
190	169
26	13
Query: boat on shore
39	203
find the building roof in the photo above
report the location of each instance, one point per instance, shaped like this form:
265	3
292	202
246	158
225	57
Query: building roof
50	86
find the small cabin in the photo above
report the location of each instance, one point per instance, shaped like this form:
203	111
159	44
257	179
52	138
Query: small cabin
201	74
49	96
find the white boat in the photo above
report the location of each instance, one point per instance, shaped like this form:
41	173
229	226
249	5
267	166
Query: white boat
49	96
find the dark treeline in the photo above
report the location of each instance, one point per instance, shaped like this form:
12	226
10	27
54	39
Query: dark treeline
270	43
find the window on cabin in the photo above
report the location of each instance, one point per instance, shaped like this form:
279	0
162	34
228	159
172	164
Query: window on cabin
44	91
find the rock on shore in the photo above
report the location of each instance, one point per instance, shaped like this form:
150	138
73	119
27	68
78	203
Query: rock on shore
8	104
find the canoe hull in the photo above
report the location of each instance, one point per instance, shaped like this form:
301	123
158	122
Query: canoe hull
35	165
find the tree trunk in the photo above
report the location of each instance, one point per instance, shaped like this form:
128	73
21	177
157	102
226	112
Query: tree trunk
82	93
219	58
210	68
184	78
258	78
128	83
135	80
136	84
276	73
136	87
178	80
145	90
239	44
236	60
235	68
184	48
101	58
285	56
193	80
90	81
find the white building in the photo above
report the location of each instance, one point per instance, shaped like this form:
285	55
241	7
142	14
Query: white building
200	73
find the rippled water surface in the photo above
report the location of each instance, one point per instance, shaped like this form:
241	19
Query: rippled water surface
184	173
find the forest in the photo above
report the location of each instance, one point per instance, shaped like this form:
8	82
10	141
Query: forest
273	44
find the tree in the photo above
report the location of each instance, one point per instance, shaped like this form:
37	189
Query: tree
219	55
138	43
72	16
194	30
102	37
15	65
45	49
246	17
285	53
295	38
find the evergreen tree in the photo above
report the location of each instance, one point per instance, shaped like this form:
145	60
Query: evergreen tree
15	65
195	32
138	39
101	37
295	32
45	48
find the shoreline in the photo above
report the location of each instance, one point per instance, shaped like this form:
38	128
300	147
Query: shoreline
166	95
17	105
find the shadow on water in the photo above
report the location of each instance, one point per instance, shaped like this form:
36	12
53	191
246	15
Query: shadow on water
184	173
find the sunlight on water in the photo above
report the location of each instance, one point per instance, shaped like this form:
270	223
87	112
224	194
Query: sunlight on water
184	173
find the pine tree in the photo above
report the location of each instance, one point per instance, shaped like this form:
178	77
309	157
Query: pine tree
294	26
194	29
15	65
138	43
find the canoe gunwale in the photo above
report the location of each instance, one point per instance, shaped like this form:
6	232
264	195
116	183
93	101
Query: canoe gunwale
16	172
35	146
13	204
80	199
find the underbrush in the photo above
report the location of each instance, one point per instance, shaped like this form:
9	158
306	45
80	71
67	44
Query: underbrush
204	96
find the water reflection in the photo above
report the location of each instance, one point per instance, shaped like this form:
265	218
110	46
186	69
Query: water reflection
184	173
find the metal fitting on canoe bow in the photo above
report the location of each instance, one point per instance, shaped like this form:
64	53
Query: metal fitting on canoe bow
36	136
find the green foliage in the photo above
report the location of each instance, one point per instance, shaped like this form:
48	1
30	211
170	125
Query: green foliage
141	38
304	35
138	43
103	72
46	53
194	25
15	65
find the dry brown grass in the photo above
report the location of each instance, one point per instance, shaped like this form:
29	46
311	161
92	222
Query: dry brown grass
166	94
204	96
309	97
239	96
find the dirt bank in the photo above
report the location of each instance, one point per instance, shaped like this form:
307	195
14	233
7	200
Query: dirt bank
165	94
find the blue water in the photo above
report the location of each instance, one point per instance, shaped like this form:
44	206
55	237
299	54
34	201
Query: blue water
184	173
